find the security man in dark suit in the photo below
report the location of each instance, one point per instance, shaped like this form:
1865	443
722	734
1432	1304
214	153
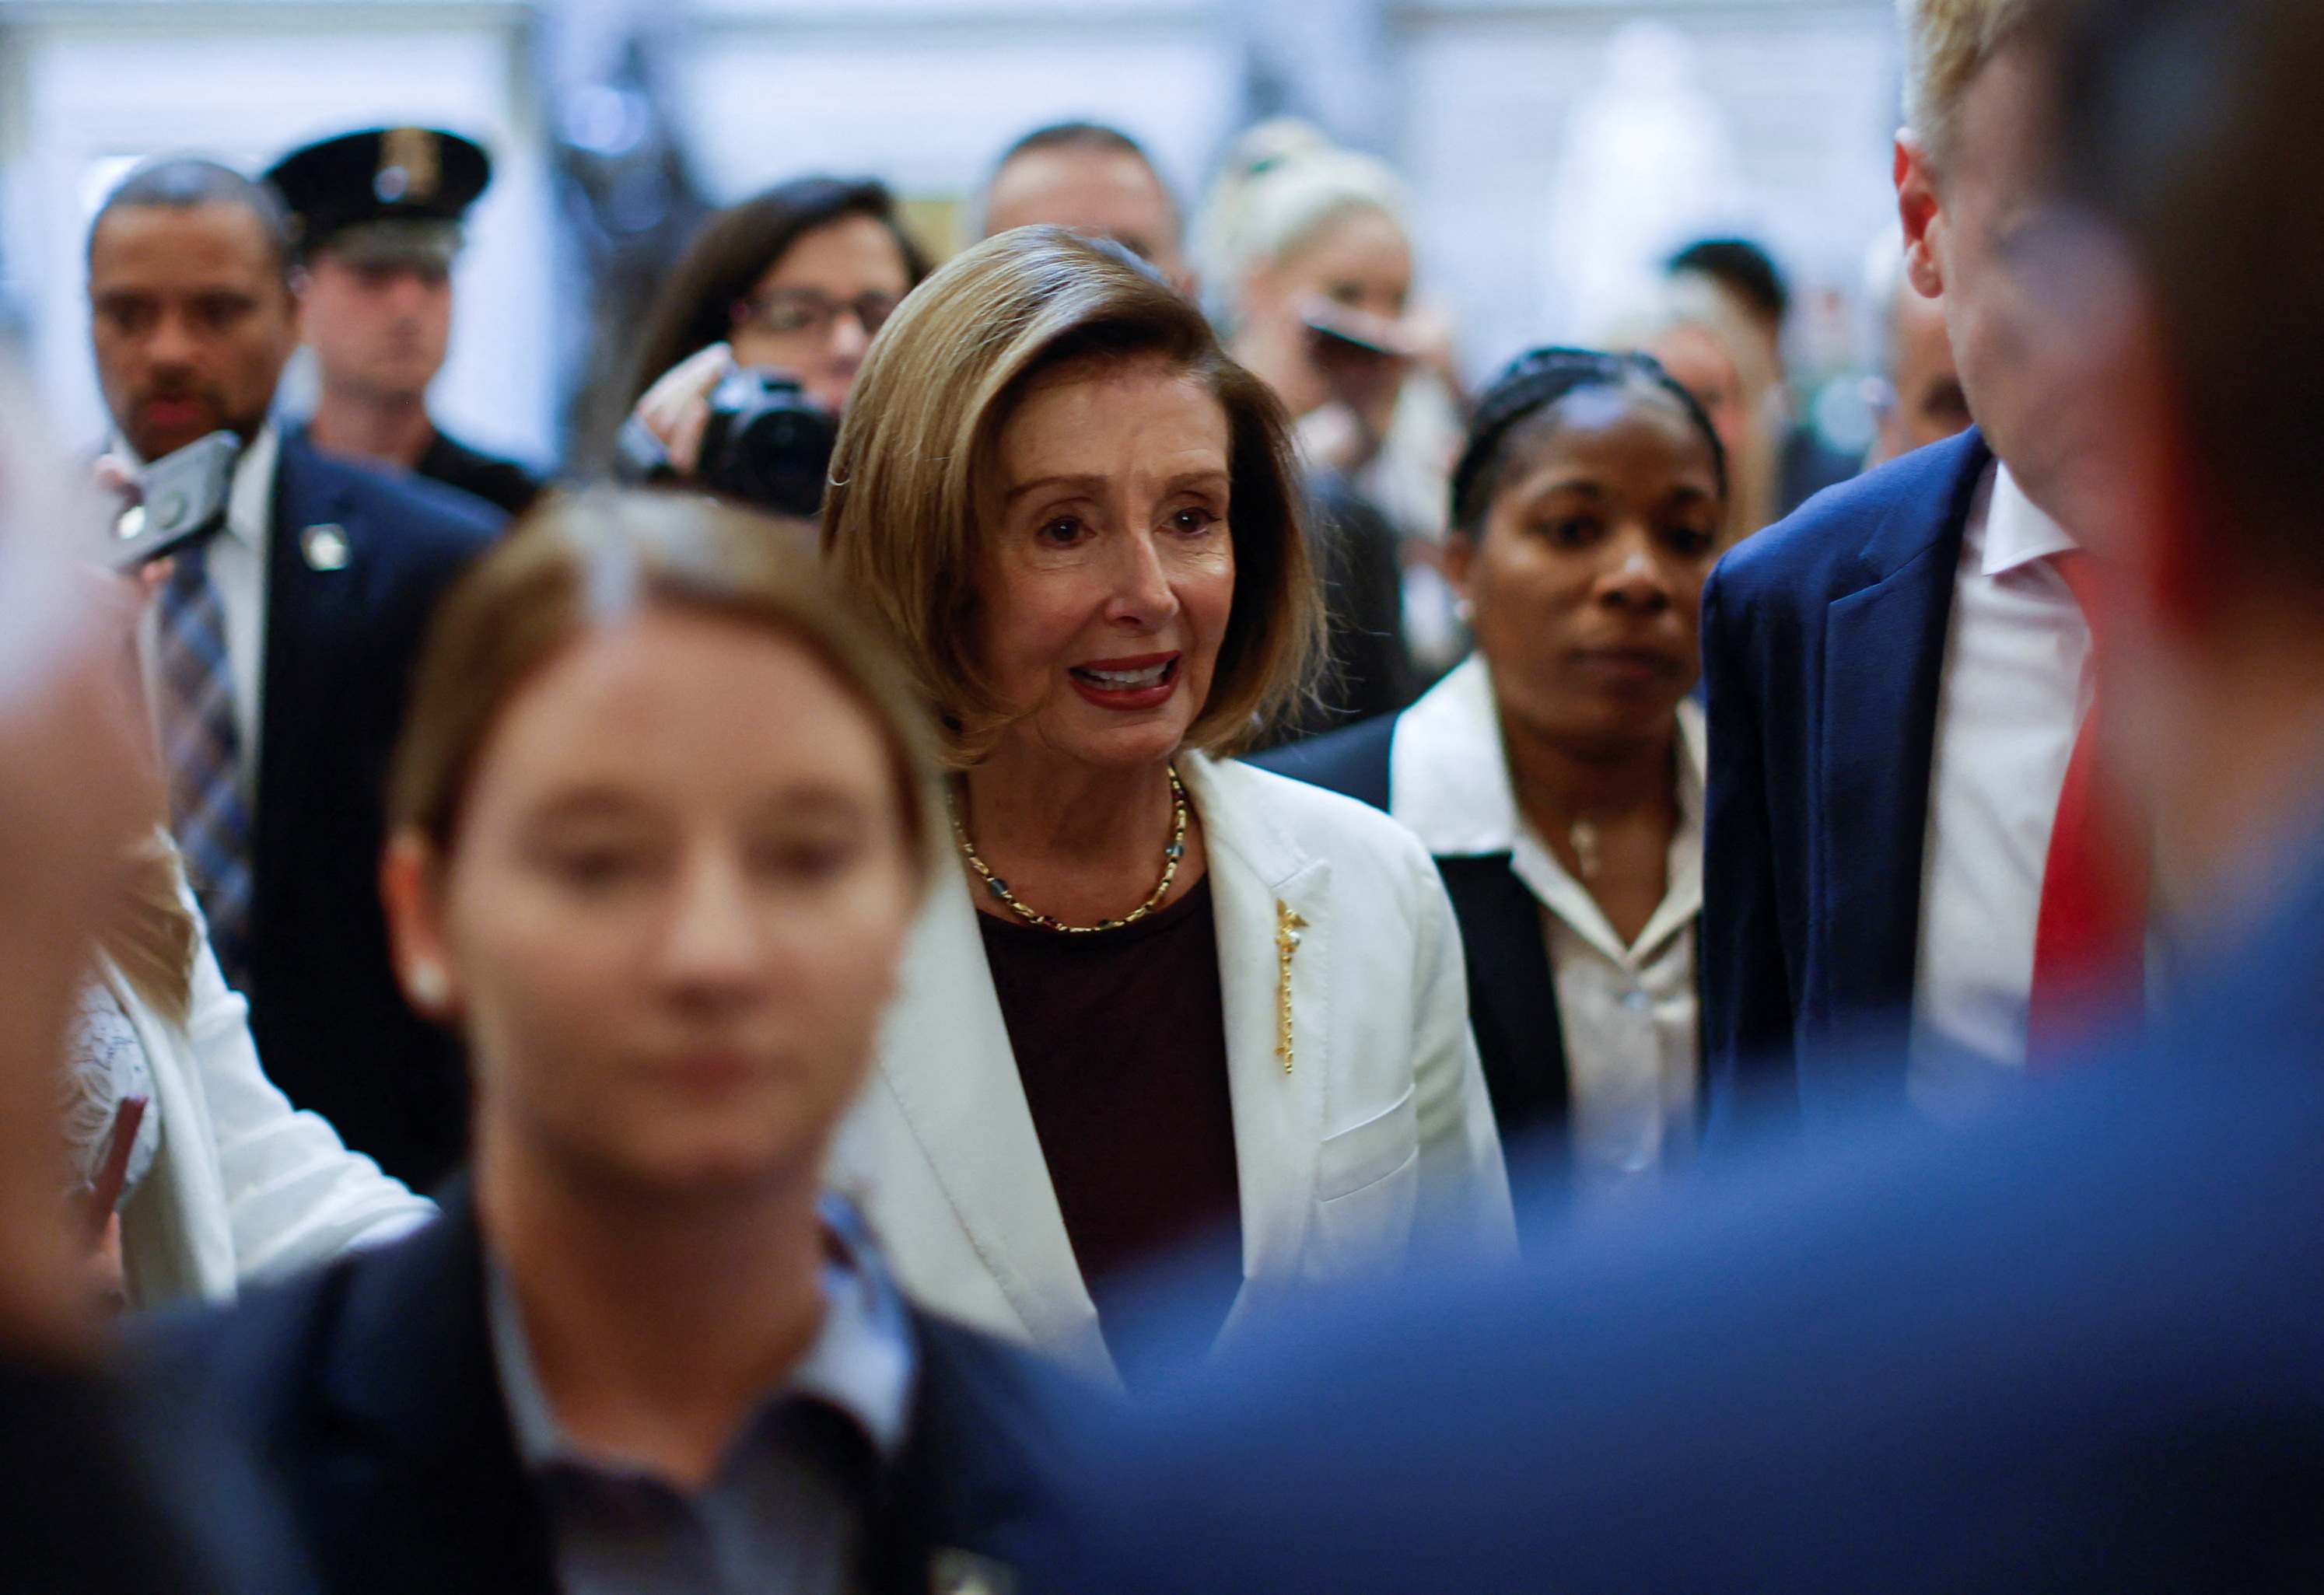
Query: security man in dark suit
276	652
375	220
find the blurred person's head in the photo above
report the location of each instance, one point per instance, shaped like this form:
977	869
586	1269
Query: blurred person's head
1973	165
1297	225
2177	315
1922	402
191	311
1078	517
1588	509
1703	338
1096	181
798	279
1749	273
659	821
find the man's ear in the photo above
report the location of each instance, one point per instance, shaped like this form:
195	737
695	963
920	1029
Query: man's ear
297	280
1460	558
410	888
1923	215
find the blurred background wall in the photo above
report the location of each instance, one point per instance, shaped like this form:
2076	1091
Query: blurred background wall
1554	148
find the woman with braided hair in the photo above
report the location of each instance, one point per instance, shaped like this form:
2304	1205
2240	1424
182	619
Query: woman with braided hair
1557	774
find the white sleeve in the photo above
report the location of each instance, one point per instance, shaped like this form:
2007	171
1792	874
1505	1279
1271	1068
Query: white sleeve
1464	1186
295	1194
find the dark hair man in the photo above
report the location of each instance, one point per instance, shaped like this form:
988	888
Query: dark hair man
276	653
2075	1346
1750	278
1895	682
376	218
1097	181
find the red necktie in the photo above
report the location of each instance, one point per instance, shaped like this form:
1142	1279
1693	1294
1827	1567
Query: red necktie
2089	943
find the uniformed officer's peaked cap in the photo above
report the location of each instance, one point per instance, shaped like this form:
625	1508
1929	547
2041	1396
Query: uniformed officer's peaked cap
394	195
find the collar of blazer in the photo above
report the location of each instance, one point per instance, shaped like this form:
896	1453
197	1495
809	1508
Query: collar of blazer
1883	667
421	1466
1928	516
947	1063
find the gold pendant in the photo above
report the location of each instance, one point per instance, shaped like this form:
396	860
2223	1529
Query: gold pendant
1287	926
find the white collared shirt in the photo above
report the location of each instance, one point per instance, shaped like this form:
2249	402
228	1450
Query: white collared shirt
237	562
2011	698
1630	1013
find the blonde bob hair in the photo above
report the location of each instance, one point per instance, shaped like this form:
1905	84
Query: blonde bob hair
915	481
1947	43
582	562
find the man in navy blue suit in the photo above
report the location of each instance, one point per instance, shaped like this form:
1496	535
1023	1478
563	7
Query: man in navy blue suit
277	654
1896	681
2078	1343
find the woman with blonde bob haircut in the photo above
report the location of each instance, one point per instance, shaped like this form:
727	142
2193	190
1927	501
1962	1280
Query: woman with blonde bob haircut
1161	994
659	834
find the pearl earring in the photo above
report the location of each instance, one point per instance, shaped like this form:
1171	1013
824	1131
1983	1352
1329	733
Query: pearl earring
430	987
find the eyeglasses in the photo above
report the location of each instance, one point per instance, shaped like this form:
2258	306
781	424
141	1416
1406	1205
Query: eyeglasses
789	313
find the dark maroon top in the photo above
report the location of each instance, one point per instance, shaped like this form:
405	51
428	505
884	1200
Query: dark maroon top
1121	1041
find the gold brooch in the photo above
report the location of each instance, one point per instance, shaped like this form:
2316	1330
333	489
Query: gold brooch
1287	926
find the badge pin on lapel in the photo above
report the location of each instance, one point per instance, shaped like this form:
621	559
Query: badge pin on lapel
1287	926
963	1573
325	547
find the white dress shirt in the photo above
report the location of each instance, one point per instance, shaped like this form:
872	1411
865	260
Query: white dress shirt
1628	1012
237	562
2010	701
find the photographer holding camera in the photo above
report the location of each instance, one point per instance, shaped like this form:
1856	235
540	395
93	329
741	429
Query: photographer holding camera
753	347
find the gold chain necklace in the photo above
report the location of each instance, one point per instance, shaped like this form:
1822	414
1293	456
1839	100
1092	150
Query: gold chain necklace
1000	888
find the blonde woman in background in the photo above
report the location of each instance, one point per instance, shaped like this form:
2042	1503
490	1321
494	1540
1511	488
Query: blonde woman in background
1309	246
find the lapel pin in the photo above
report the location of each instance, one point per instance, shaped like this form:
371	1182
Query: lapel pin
1287	926
325	547
953	1571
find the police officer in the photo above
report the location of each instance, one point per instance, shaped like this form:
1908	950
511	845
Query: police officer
376	217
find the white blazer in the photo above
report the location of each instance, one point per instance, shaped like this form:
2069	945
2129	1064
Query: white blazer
1376	1145
243	1184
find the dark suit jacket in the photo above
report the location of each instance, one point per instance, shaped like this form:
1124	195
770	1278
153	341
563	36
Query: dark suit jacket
102	1500
1823	643
1512	991
2076	1345
331	1026
371	1394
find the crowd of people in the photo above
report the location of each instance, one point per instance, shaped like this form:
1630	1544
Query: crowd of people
951	986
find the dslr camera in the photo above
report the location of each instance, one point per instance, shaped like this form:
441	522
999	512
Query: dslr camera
767	443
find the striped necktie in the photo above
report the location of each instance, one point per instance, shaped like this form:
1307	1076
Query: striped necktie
201	750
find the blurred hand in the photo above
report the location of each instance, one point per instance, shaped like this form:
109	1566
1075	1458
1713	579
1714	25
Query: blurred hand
676	408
